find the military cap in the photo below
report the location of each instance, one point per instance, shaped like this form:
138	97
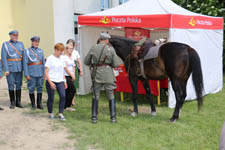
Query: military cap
105	35
13	32
139	43
35	38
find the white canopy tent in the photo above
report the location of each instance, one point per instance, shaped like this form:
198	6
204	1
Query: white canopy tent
203	33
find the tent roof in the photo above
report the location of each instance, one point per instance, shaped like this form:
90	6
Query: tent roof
145	7
151	14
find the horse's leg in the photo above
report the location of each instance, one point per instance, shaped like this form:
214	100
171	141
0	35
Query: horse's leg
177	87
133	82
184	88
149	96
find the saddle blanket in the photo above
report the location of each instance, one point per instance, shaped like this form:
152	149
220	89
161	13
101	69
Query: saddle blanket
153	52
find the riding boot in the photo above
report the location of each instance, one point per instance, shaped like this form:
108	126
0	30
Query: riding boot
112	108
94	111
12	99
1	108
32	99
39	101
18	99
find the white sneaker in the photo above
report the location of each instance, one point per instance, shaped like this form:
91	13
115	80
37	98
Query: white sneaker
51	116
70	109
61	117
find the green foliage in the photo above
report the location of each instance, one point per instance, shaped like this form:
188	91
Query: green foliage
206	7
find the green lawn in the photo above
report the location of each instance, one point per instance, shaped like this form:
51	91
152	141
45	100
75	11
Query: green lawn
193	131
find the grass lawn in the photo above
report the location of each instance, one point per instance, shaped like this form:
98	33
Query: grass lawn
193	131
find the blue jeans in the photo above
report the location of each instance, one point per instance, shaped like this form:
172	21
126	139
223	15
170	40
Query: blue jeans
61	90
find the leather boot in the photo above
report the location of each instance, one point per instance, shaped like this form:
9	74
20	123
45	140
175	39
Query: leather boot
94	111
18	99
12	99
112	108
32	100
39	101
1	108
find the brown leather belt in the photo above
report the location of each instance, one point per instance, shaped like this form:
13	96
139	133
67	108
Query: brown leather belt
99	65
14	59
31	64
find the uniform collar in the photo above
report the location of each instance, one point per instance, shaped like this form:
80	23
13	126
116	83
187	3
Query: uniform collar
11	41
34	48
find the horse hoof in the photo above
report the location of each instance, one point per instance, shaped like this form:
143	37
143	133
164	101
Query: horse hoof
133	114
172	120
153	113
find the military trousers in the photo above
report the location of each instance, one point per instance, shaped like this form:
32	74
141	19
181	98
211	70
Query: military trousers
35	82
108	87
14	80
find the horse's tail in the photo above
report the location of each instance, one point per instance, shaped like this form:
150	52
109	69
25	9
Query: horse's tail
197	77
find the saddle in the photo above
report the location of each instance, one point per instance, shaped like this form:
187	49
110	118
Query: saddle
148	51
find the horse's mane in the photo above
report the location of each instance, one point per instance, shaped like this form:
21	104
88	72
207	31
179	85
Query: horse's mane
127	40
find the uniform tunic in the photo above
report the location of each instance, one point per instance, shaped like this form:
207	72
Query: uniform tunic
0	69
12	63
104	74
33	62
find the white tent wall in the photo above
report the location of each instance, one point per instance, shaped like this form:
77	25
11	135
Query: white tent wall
88	37
209	45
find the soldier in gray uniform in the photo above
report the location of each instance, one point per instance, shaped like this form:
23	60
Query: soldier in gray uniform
33	63
102	59
12	56
1	77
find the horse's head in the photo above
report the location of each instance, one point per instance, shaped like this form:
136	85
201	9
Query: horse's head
122	45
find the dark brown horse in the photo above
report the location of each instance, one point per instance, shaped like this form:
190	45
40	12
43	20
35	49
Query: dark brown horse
175	60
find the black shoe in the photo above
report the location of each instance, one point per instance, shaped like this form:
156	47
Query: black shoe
112	108
94	111
39	101
12	99
32	100
18	99
1	109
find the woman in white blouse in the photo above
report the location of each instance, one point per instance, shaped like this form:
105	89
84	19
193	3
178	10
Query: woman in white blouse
70	77
54	72
78	68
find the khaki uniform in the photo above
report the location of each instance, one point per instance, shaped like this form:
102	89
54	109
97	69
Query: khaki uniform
104	77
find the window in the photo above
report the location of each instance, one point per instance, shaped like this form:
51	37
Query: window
76	23
104	4
122	1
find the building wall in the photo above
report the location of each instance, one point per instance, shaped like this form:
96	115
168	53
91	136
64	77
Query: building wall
29	17
63	20
114	3
86	6
7	22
